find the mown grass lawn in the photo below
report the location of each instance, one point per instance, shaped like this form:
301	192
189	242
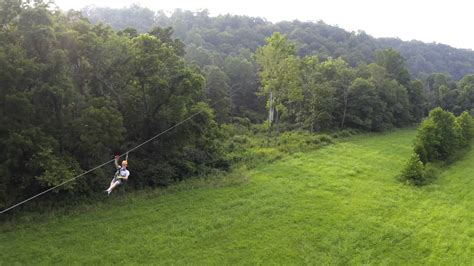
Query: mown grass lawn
340	204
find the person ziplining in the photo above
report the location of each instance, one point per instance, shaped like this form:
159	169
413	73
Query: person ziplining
121	175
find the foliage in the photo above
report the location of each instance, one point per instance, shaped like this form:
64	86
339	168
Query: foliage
414	171
226	35
466	92
210	41
394	63
249	148
466	126
243	82
73	94
217	91
279	75
364	104
438	137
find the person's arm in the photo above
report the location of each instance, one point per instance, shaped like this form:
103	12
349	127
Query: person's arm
116	161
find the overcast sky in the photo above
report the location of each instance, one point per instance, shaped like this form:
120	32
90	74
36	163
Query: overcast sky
441	21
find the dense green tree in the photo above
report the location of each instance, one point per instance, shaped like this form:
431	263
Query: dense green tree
438	137
442	92
394	64
417	100
319	96
135	16
166	36
466	126
242	75
466	91
73	94
199	56
414	171
279	76
364	106
217	91
339	76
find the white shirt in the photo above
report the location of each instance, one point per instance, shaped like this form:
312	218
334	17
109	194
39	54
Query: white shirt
124	172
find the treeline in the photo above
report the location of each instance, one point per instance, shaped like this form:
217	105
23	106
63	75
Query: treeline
306	92
224	46
73	94
210	39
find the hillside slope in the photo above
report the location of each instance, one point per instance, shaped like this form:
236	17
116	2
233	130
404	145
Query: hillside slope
210	39
340	204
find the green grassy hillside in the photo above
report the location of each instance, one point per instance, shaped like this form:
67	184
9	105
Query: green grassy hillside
336	205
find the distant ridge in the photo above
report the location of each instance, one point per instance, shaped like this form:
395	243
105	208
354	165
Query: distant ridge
229	34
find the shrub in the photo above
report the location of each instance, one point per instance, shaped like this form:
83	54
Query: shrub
241	139
466	127
325	138
430	172
439	135
438	139
419	149
414	171
427	141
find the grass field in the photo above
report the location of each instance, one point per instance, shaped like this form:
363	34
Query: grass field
340	204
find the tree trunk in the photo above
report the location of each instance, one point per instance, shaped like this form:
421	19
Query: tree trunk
277	121
271	111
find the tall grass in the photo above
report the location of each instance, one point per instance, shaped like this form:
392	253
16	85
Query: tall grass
339	204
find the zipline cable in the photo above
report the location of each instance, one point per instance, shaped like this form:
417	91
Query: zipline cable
125	153
49	189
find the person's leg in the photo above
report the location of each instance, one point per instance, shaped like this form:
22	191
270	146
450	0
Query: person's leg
115	179
113	185
116	183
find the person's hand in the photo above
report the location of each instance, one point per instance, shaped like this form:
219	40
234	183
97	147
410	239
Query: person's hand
117	157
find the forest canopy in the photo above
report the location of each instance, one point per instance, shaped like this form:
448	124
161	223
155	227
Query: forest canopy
209	39
73	94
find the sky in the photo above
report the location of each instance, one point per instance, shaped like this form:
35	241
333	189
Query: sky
440	21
